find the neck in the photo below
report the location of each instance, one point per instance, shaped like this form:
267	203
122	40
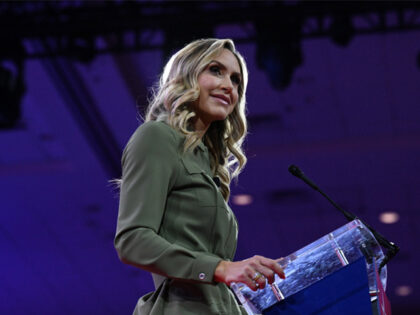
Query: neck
201	126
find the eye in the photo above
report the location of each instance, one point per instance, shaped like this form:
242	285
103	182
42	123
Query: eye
215	69
236	79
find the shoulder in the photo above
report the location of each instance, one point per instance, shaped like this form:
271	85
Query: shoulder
155	129
154	136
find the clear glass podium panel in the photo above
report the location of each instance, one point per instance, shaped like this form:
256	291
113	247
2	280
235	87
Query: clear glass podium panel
316	261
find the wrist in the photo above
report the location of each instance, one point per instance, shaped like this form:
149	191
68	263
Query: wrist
220	271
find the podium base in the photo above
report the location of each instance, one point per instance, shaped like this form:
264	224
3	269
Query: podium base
345	292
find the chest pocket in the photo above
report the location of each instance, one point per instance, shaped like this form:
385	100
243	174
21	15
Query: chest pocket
207	193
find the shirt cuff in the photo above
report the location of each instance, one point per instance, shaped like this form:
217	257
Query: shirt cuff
204	267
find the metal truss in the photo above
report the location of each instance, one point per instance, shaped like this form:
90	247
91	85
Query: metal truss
84	29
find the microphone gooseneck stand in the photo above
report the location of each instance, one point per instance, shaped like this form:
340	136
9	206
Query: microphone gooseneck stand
392	248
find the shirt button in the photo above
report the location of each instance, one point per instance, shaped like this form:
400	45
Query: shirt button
202	275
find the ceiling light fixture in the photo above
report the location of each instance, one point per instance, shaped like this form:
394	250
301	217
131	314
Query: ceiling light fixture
242	200
389	217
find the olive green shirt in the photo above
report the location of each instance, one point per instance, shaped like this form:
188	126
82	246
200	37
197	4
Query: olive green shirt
174	222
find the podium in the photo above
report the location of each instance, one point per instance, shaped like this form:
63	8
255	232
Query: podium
336	274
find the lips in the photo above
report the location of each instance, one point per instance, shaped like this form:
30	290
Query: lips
223	98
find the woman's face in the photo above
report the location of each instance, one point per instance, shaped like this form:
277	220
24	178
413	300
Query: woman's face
219	83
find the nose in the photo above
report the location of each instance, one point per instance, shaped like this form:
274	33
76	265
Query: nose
227	85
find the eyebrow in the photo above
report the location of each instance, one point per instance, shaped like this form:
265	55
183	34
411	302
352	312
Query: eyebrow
224	67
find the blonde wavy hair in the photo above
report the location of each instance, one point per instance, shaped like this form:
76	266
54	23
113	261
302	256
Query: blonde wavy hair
173	102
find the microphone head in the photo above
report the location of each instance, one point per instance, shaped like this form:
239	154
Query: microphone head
294	170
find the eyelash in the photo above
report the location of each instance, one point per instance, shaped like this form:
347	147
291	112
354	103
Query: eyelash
236	80
216	69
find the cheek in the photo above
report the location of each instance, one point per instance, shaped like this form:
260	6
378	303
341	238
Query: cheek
236	98
205	82
232	108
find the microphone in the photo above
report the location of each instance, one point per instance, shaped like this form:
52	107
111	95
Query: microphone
296	171
392	248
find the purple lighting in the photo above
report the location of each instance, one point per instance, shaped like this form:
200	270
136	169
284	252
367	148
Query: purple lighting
349	117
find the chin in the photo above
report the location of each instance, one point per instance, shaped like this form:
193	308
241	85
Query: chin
216	115
221	115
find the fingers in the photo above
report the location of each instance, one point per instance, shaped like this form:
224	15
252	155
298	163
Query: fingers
283	262
254	286
259	279
265	270
273	265
249	281
279	260
255	272
267	273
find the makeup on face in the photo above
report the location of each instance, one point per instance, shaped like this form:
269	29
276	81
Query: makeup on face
219	84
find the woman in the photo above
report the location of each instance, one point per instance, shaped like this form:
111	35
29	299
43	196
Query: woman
174	220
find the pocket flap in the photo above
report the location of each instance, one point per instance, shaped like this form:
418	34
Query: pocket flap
191	167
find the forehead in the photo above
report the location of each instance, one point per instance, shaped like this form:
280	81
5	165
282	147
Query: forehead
229	60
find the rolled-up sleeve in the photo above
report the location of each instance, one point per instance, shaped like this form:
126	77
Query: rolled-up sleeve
150	165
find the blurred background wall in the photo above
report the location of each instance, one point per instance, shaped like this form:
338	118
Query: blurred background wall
334	88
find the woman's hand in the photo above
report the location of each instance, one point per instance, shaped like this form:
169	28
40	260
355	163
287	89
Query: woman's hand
253	272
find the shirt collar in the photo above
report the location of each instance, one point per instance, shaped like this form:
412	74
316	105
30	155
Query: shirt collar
202	146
